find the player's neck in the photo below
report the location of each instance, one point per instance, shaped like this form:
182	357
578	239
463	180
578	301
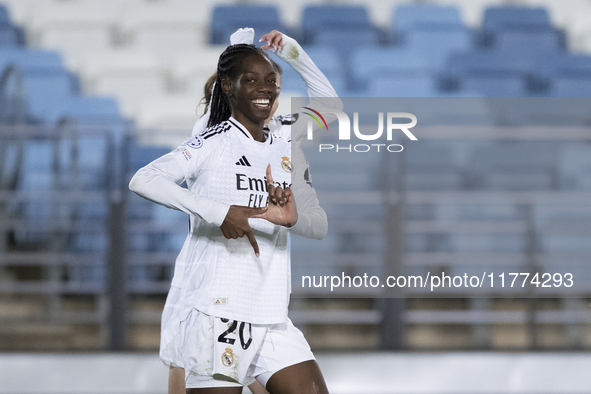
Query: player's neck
255	128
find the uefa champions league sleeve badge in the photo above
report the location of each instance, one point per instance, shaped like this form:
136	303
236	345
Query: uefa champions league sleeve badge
195	143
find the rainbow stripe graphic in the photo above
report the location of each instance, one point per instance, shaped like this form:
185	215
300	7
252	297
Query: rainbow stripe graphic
315	118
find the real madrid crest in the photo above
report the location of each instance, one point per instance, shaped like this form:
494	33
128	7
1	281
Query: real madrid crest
228	357
286	164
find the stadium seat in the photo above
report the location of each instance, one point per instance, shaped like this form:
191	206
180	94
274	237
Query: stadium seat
490	72
566	75
318	19
22	57
571	85
438	43
501	18
46	91
368	63
530	40
226	19
8	36
408	16
495	84
482	61
418	85
89	110
423	16
525	21
4	18
345	39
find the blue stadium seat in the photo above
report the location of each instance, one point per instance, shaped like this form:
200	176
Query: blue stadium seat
8	36
86	110
36	171
46	91
226	19
4	18
495	84
439	43
93	162
525	21
530	40
460	64
30	58
36	176
326	58
423	16
97	244
565	64
408	16
140	156
369	63
419	85
566	75
46	83
490	73
501	18
337	18
571	85
345	39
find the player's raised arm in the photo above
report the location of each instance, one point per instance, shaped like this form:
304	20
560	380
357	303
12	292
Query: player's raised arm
320	91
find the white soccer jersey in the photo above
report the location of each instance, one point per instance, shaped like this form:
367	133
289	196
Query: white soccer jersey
225	166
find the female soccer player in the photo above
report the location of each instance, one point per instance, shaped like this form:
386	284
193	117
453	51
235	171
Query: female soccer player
233	303
321	94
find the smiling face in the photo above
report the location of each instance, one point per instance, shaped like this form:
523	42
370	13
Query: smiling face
253	92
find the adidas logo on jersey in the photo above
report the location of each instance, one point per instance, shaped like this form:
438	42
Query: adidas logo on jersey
243	161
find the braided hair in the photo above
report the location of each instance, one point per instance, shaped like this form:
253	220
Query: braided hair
229	65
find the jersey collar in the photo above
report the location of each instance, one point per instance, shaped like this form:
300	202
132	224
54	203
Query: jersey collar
240	127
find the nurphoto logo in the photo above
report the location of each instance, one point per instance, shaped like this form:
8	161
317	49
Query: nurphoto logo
392	124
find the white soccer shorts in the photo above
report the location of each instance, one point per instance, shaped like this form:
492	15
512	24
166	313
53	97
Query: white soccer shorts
224	353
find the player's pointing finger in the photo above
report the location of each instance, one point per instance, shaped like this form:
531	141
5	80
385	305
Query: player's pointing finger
269	176
253	241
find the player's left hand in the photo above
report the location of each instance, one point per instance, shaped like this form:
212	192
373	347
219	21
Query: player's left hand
274	40
281	209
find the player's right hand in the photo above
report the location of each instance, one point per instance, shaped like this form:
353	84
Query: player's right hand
274	40
236	224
